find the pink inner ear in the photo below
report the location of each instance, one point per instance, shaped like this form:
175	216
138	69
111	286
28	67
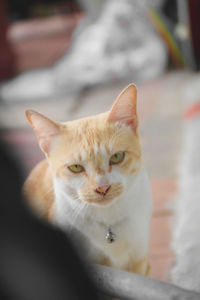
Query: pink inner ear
124	108
45	129
46	137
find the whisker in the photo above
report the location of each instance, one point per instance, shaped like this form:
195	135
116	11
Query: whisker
78	212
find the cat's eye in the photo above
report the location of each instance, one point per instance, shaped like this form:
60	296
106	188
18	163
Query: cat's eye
76	168
117	158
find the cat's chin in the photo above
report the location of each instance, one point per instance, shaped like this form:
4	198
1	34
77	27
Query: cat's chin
103	201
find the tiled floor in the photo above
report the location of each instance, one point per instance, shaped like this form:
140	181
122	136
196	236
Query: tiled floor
160	114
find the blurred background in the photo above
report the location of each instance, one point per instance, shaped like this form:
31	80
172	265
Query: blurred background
71	58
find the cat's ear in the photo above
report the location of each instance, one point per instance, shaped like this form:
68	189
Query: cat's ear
124	108
45	129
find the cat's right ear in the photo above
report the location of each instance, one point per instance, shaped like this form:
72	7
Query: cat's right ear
44	128
124	108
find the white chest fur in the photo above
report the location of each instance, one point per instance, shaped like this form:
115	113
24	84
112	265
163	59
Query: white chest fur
128	217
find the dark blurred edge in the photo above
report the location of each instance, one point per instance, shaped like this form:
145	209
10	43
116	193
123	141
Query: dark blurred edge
37	260
7	59
194	12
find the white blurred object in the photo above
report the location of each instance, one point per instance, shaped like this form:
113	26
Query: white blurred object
120	44
91	7
186	239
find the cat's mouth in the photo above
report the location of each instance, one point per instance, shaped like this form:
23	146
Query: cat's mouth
101	201
104	200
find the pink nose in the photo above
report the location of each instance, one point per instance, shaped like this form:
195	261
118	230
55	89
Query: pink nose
102	190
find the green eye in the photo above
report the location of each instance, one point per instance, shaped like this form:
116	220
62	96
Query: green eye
76	168
117	158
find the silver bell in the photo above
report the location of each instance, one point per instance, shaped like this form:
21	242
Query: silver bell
110	236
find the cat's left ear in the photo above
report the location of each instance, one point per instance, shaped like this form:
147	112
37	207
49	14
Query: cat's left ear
45	129
124	108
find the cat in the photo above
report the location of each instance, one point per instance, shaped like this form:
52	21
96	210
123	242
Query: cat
93	184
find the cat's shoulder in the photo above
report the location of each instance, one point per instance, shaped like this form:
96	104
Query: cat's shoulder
38	189
38	173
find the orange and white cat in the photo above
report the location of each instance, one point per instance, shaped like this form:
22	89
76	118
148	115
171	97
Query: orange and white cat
93	183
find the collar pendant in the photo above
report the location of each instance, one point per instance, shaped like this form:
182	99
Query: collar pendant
110	236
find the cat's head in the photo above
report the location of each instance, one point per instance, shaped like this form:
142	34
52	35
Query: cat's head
93	158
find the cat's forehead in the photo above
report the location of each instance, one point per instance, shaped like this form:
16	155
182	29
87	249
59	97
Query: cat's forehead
92	141
94	136
94	123
91	131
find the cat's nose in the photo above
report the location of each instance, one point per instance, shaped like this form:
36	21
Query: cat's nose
102	190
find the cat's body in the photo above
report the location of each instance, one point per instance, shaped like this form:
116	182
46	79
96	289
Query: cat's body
94	182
